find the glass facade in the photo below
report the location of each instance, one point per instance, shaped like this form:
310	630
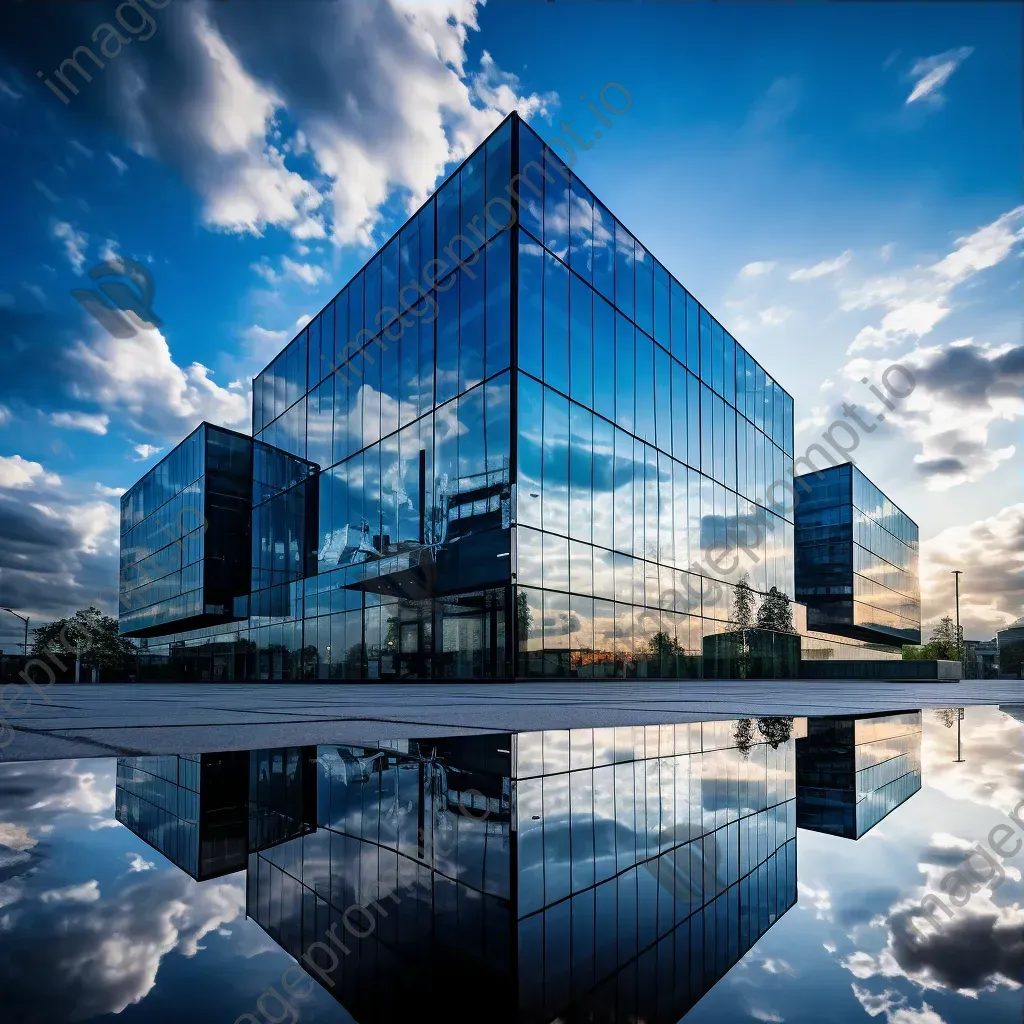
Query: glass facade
190	807
852	771
856	558
538	455
185	535
552	874
647	442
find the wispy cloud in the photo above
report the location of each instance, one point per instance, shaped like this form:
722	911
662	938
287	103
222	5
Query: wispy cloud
758	268
74	243
145	451
773	316
118	163
821	269
933	72
92	423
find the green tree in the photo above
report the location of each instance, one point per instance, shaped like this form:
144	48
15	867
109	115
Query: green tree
775	612
945	640
744	736
524	616
92	638
743	604
775	729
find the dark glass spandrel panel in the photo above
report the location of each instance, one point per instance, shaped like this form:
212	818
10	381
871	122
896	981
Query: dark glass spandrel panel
497	206
471	325
625	258
581	230
604	357
644	385
531	306
644	290
581	341
530	184
625	364
604	251
498	297
556	324
530	445
692	335
556	205
447	371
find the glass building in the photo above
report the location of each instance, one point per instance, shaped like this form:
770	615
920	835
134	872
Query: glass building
856	559
597	874
851	771
536	454
206	812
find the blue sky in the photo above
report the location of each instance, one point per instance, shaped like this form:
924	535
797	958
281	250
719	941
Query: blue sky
839	184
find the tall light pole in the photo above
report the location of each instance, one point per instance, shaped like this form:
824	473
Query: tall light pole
25	619
959	639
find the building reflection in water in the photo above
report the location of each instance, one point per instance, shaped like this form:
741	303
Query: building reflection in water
608	873
206	812
853	770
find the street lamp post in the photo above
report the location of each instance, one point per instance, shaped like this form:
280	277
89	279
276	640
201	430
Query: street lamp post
959	639
25	619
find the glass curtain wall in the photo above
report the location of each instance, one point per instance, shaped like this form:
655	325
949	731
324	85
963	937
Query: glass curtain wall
648	442
399	390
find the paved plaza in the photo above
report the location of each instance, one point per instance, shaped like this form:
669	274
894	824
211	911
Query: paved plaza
166	718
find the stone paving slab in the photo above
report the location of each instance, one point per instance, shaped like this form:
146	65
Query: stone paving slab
148	718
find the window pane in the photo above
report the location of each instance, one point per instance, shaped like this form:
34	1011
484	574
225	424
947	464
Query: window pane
556	324
581	465
471	326
447	217
678	412
604	251
692	335
471	221
624	258
556	205
625	358
531	289
447	378
581	341
498	298
730	369
705	347
663	398
581	230
604	357
389	283
555	491
530	187
530	451
662	307
498	213
644	290
644	385
604	461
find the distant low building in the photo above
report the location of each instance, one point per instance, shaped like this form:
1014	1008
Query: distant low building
981	659
1010	645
